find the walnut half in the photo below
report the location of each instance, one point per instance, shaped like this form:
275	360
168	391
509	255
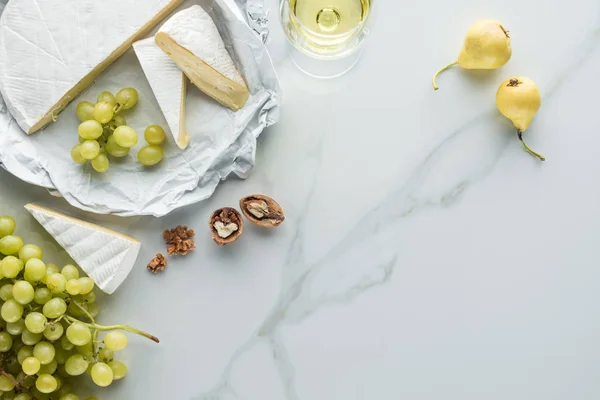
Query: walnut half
262	210
226	225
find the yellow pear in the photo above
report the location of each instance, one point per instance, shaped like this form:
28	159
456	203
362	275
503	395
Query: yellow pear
519	99
486	46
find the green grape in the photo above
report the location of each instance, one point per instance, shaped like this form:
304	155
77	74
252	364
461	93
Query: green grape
23	292
6	291
42	295
102	374
11	364
10	245
66	344
90	149
87	285
79	334
52	269
31	365
7	226
61	355
116	122
85	350
16	328
49	368
23	353
119	369
114	149
11	266
107	97
127	98
150	155
30	338
54	308
155	134
36	322
85	111
35	269
115	340
30	251
76	365
65	389
22	396
5	383
101	163
106	355
103	112
5	342
70	272
11	310
125	136
89	298
53	332
92	398
44	352
73	287
75	310
90	130
69	396
56	283
46	383
26	380
76	155
93	309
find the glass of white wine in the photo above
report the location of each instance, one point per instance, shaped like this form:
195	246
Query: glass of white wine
327	35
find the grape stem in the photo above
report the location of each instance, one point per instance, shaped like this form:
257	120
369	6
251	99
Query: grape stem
115	328
435	86
17	384
95	331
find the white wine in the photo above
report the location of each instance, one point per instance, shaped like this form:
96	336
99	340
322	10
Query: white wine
327	26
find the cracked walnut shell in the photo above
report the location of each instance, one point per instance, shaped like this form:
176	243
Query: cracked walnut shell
262	210
226	225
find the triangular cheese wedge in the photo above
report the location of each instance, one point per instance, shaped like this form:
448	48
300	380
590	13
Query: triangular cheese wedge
169	85
50	51
106	256
193	41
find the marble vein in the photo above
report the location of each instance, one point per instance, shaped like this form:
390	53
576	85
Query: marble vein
302	293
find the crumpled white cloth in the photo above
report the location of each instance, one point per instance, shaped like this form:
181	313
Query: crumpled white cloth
222	142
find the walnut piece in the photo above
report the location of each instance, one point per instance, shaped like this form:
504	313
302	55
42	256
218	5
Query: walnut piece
225	230
262	210
258	208
179	240
226	225
157	264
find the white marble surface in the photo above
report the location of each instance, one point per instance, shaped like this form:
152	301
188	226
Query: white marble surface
425	255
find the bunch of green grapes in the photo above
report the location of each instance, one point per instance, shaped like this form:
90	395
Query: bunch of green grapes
48	332
103	130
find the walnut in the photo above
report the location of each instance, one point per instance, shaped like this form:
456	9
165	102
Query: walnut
157	264
226	225
179	240
262	210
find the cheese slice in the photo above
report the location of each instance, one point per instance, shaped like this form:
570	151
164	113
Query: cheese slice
193	41
106	256
50	51
169	85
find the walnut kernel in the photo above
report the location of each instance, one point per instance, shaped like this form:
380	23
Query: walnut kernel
226	225
262	210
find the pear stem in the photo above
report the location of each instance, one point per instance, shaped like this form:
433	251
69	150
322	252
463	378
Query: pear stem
435	86
520	134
